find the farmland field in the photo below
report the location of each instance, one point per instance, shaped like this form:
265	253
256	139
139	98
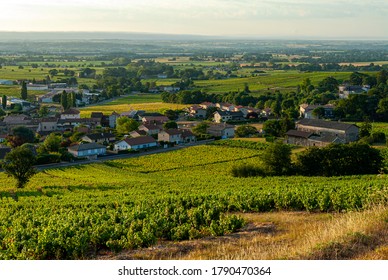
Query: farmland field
73	213
147	102
282	80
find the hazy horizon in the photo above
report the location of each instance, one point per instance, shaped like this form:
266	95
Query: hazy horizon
105	35
294	19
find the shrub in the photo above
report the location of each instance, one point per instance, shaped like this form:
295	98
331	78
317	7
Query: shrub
379	137
246	170
48	158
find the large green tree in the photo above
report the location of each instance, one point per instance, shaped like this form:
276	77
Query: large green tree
4	101
125	125
20	135
23	93
65	100
19	163
170	125
277	159
245	131
52	143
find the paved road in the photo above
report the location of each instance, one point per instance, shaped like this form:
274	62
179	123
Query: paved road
120	156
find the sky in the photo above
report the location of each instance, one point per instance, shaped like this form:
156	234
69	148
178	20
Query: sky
252	18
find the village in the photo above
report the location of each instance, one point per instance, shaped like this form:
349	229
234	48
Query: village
77	137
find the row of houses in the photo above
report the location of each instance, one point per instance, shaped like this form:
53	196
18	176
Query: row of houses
315	132
226	112
97	142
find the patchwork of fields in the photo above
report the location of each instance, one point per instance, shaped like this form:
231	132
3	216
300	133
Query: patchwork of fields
75	212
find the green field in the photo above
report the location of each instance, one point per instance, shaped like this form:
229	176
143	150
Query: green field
281	80
15	91
72	213
146	102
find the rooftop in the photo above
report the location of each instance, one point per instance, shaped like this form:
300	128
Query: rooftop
325	124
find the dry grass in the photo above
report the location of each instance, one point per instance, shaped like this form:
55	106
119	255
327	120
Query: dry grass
284	235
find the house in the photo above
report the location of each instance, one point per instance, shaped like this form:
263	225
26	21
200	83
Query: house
154	119
4	151
207	105
143	142
47	125
100	138
70	114
225	106
137	133
48	97
322	130
89	98
15	120
6	82
54	110
188	136
89	150
306	111
345	90
3	137
304	138
171	89
221	130
12	101
150	129
300	138
134	114
226	116
243	110
104	120
197	112
112	119
266	112
70	124
37	87
176	136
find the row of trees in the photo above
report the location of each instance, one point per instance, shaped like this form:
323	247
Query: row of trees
333	160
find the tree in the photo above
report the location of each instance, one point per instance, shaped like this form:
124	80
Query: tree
382	109
125	125
4	101
365	129
73	100
52	143
64	100
20	135
278	128
277	159
210	112
328	84
43	111
319	112
171	114
53	72
245	131
170	125
19	163
23	93
340	160
201	128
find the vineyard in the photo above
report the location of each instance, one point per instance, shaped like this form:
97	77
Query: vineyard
72	213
